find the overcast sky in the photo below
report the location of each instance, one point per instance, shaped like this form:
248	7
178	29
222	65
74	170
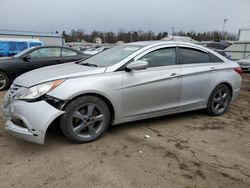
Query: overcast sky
112	15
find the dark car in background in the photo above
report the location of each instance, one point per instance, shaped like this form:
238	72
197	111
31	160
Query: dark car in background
33	58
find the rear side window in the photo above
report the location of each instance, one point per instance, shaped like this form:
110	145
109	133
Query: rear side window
161	57
67	52
214	58
189	56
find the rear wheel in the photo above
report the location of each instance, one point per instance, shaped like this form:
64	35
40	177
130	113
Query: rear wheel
4	81
219	100
85	120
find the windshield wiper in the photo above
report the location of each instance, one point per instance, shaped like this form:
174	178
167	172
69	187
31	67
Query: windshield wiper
89	64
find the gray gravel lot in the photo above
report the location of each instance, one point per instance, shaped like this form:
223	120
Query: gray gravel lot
184	150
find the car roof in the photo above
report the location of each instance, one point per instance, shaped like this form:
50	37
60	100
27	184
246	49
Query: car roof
56	46
155	43
149	44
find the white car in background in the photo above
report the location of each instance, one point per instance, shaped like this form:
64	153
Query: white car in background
245	63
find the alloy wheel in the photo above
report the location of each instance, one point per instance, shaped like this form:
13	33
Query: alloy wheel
87	120
3	81
220	100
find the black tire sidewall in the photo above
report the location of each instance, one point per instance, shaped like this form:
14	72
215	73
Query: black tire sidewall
69	109
210	108
7	80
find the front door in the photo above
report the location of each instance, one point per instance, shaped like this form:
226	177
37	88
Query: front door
42	57
154	90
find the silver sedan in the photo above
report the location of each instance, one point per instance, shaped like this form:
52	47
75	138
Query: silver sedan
126	83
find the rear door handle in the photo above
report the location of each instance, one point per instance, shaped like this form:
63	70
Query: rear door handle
213	69
174	75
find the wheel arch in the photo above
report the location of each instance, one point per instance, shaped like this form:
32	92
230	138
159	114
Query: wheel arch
100	96
222	83
228	85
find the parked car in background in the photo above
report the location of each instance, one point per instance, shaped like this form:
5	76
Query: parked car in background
34	58
12	46
93	51
222	52
126	83
245	63
221	45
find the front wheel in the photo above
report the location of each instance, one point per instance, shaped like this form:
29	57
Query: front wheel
85	120
219	100
4	81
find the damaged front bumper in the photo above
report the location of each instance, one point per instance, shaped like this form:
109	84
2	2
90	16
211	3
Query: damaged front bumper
29	120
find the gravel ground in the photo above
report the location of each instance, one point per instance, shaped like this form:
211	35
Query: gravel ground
184	150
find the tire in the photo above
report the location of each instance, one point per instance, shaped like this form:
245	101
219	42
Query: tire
4	81
85	120
219	100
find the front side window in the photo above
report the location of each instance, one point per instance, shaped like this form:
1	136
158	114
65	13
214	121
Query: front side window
189	56
46	52
67	52
161	57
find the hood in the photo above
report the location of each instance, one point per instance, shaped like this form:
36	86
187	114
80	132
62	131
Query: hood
6	59
67	70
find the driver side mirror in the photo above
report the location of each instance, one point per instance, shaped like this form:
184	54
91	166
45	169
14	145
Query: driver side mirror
26	58
137	65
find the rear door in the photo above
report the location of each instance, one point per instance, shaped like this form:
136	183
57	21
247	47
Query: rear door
154	90
199	70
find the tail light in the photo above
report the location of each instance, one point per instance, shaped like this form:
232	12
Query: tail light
238	70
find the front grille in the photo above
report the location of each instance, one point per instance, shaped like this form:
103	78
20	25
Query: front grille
11	93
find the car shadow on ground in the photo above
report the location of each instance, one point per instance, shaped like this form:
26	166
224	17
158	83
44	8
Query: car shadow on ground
55	136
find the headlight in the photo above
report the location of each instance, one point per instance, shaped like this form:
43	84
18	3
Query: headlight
38	90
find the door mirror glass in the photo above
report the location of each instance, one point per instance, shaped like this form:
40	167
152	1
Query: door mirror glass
26	58
137	65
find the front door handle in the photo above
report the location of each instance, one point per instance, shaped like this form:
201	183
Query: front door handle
59	60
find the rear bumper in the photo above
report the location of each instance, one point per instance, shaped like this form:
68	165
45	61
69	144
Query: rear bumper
35	118
235	93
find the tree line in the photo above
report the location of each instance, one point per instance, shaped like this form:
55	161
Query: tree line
133	36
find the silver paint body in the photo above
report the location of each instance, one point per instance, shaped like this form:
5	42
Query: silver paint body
134	95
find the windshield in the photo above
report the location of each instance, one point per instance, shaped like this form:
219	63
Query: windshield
22	52
111	56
